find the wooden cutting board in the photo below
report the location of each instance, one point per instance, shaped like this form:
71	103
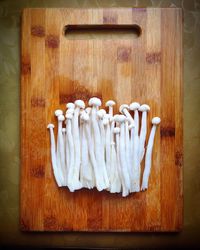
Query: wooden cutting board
56	69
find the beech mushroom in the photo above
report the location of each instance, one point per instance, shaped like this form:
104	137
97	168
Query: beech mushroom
100	115
121	183
92	152
60	148
135	154
79	104
70	141
143	131
96	103
99	181
110	105
128	149
86	171
65	144
106	123
124	109
123	161
67	152
148	157
57	175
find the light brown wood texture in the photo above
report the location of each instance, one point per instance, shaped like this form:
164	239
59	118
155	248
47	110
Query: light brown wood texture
56	70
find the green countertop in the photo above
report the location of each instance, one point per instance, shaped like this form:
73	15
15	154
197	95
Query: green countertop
10	13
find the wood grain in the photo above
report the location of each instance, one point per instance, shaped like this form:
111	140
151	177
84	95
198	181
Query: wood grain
56	70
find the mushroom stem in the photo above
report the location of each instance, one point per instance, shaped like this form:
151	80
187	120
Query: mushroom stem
98	176
86	174
148	157
58	159
96	102
77	161
135	187
143	131
107	144
61	151
128	149
65	145
71	152
57	176
121	183
125	172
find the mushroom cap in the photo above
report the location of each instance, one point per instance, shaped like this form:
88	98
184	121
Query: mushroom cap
63	130
156	120
116	130
80	104
50	125
69	116
70	111
61	118
70	105
58	112
103	111
84	116
94	101
144	107
100	114
122	107
134	106
120	118
110	103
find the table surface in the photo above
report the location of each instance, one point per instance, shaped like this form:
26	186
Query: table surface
10	13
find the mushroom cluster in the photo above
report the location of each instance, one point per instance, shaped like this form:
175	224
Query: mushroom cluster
99	149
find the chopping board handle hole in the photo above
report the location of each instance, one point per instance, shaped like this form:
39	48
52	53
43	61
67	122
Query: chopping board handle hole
102	31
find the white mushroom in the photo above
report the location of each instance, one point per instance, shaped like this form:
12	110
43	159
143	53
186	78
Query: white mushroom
86	171
135	187
124	109
70	105
99	181
79	104
128	149
88	111
65	144
143	131
67	152
96	103
110	105
70	143
58	177
100	115
57	113
61	118
134	106
123	161
115	183
148	157
60	149
119	176
106	123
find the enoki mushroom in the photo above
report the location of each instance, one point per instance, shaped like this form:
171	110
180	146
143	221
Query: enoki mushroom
97	149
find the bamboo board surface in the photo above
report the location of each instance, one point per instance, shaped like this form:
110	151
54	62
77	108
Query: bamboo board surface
56	70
